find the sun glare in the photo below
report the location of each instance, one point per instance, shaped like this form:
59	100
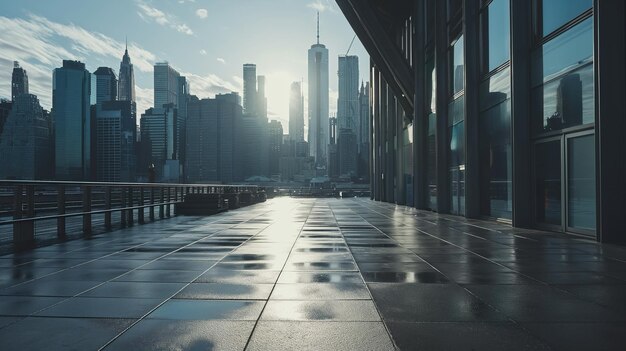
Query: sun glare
277	91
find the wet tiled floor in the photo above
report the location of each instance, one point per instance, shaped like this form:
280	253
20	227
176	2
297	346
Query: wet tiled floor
316	274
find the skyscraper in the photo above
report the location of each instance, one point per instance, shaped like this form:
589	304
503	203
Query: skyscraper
275	141
126	88
211	138
348	101
318	102
158	138
106	85
19	81
25	151
296	112
166	85
71	90
116	135
249	89
261	99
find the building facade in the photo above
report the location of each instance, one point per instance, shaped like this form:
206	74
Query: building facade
116	141
25	142
71	115
126	86
499	109
106	85
249	89
19	81
166	85
363	133
211	138
318	103
296	112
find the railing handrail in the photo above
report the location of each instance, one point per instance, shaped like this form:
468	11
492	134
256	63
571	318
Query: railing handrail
118	184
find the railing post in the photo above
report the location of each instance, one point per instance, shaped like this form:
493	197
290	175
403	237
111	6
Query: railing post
23	232
168	206
107	206
122	207
131	202
87	211
140	213
176	201
161	206
61	211
152	204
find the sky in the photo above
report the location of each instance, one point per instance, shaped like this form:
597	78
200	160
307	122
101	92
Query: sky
206	40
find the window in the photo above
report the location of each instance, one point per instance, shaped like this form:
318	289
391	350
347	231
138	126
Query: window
457	66
495	30
495	146
556	13
562	74
581	182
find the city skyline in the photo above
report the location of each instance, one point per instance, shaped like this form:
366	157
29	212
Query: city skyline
84	37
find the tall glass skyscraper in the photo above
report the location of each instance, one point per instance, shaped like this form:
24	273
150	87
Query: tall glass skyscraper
296	112
318	102
19	81
126	88
71	90
166	85
249	89
348	101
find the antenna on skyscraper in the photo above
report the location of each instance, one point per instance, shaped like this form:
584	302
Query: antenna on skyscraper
318	27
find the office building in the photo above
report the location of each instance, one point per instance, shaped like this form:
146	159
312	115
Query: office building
166	85
275	143
348	99
25	141
19	81
126	86
318	102
106	85
508	110
158	142
296	112
5	110
71	115
250	104
116	139
211	138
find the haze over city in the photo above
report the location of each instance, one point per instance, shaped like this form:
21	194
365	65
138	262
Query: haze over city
206	41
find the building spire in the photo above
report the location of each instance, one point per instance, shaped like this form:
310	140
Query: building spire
126	39
318	27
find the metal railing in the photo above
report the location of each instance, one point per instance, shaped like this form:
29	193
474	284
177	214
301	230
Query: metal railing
25	203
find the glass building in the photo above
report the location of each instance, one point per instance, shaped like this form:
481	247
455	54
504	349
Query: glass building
71	113
499	109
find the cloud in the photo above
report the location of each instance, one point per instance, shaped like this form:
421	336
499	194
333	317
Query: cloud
322	5
41	45
221	60
149	13
202	13
203	52
209	85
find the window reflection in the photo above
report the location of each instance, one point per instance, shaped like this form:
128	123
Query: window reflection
457	69
581	182
495	146
558	12
548	182
564	66
431	98
496	34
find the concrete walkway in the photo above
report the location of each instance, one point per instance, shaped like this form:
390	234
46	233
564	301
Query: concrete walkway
316	274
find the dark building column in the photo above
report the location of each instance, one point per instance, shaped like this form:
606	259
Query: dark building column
610	56
420	120
520	113
472	83
441	44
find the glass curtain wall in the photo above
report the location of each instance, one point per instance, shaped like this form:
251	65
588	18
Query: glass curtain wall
456	108
430	73
563	115
495	150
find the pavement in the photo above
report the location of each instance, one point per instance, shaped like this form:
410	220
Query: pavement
316	274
